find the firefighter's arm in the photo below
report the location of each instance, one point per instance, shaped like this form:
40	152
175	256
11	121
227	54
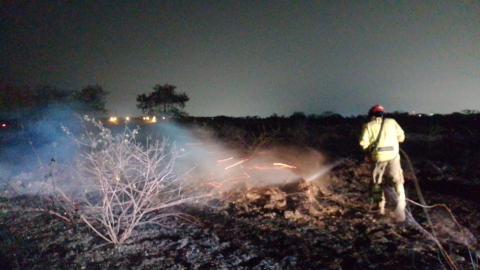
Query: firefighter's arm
365	139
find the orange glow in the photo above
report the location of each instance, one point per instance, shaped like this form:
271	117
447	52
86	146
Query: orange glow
277	166
226	197
261	168
285	165
240	162
223	160
231	179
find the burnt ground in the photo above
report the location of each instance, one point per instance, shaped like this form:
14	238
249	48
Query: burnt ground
295	226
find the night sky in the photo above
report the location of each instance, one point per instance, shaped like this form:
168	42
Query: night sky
252	58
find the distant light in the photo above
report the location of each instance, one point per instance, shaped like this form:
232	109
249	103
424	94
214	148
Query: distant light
163	118
128	118
154	119
113	119
4	125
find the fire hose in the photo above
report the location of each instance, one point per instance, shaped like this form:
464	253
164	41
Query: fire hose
417	189
423	203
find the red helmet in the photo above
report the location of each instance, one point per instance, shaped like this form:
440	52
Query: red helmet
376	110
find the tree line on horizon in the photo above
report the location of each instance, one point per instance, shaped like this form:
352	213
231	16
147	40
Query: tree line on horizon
21	101
26	102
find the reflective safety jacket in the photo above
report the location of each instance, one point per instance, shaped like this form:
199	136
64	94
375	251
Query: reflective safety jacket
388	146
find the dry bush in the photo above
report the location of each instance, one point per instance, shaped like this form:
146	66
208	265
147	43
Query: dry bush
127	184
266	138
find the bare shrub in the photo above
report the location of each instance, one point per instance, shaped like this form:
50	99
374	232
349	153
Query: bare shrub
266	138
127	184
246	141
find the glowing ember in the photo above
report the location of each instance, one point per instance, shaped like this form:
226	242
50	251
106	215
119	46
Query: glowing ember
238	163
270	167
285	165
228	170
230	180
223	160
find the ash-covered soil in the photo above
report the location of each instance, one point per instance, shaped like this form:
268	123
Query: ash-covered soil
295	226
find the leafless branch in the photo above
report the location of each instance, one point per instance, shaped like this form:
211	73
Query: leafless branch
131	184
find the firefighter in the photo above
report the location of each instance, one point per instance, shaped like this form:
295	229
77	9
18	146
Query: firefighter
380	138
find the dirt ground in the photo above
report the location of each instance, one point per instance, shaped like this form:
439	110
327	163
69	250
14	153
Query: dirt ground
328	223
295	226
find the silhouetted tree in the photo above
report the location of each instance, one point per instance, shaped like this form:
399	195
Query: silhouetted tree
298	116
326	114
273	116
468	111
163	100
23	101
92	98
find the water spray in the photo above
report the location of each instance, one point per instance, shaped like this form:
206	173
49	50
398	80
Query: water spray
324	170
